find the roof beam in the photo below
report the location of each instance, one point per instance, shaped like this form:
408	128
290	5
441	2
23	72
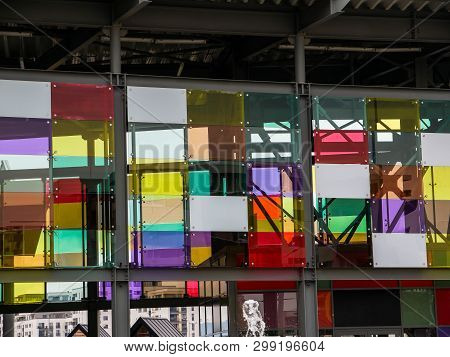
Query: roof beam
320	12
124	9
68	47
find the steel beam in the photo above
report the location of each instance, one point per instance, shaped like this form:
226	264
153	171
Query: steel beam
120	302
307	286
8	324
363	91
382	28
320	12
124	9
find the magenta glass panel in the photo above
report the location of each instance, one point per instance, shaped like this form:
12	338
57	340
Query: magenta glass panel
398	216
341	146
24	136
200	239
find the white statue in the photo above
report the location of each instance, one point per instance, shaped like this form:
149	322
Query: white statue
252	315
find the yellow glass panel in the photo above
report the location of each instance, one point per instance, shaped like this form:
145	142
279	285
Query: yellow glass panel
162	184
392	114
199	255
215	107
68	215
26	293
436	183
23	248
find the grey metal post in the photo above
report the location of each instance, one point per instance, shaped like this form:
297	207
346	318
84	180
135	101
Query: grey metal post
232	309
307	288
8	325
120	303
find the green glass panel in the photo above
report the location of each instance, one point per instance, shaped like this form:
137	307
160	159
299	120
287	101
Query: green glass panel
215	108
435	116
392	114
394	147
263	109
342	212
339	113
442	283
167	227
199	183
68	247
417	307
324	284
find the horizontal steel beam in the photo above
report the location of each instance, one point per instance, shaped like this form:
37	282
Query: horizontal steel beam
216	274
103	304
389	92
382	28
222	21
384	274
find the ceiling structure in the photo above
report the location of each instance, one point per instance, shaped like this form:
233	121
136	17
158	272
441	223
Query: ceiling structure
367	42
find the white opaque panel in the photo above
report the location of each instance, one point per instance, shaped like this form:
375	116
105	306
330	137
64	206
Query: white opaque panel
21	99
157	105
399	250
435	149
218	214
342	181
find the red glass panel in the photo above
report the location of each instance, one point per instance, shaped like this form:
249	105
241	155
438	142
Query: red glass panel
341	146
82	101
416	283
192	288
67	191
364	284
276	250
324	309
266	285
23	210
443	306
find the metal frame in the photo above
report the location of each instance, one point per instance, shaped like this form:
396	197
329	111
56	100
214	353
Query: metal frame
121	274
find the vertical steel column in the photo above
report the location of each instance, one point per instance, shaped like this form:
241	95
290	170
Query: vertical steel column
307	288
232	308
120	303
8	325
421	72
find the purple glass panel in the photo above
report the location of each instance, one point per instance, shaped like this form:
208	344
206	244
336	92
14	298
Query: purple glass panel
275	180
200	239
398	216
24	136
105	290
163	249
443	331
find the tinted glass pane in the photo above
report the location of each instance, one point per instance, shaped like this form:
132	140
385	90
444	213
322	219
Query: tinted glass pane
342	232
216	143
93	102
273	142
161	213
24	248
341	146
217	179
24	293
215	108
435	116
417	307
392	148
264	108
24	144
392	114
443	306
82	143
61	292
163	249
339	113
438	232
228	249
366	308
398	216
325	309
435	183
277	250
402	182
